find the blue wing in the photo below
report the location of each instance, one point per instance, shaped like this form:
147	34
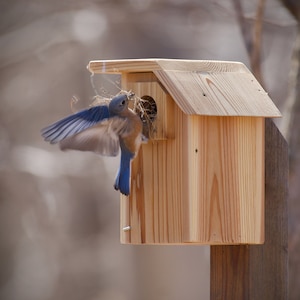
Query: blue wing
75	123
102	138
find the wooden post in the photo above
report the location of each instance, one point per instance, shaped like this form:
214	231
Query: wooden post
255	272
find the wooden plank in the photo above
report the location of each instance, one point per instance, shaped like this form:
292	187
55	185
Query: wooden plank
155	216
213	66
224	179
218	93
215	88
259	272
122	65
124	220
152	64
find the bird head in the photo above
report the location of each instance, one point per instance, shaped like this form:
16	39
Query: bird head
118	105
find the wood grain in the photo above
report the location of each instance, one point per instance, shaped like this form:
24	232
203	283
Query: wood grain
200	181
151	64
224	179
215	88
200	178
155	204
218	93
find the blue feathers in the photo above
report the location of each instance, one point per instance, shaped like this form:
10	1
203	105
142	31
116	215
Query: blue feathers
75	123
103	129
122	181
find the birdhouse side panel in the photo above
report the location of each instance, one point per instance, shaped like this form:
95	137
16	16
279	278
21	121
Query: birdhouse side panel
251	172
224	180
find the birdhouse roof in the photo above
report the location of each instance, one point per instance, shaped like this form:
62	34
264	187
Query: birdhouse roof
201	87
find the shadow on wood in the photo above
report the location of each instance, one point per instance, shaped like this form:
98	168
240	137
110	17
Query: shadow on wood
259	271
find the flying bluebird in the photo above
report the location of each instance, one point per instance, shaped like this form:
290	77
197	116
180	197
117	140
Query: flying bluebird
102	129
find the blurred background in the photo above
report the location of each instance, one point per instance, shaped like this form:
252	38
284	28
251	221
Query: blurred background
59	214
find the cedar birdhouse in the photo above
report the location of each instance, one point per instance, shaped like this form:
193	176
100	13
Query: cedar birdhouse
200	177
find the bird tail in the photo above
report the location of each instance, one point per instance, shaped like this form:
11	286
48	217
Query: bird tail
122	181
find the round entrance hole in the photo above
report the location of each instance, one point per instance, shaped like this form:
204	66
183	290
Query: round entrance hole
147	110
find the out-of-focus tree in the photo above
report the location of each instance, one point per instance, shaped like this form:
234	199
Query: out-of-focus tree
290	125
59	219
291	130
252	36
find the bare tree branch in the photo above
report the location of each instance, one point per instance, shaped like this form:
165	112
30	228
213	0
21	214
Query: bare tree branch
255	54
252	36
245	29
289	109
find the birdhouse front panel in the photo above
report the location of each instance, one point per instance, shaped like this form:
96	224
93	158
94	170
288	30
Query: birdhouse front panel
200	177
146	84
155	204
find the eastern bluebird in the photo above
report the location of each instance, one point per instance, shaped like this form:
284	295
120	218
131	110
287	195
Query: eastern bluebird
102	129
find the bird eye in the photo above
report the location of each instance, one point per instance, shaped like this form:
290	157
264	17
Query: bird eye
123	102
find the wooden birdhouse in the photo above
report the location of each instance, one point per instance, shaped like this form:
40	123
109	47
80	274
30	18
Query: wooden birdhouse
200	178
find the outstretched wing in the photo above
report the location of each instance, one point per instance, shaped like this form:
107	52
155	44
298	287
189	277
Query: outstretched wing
75	123
102	138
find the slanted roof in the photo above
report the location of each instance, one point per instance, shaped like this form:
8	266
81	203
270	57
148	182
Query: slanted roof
201	87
